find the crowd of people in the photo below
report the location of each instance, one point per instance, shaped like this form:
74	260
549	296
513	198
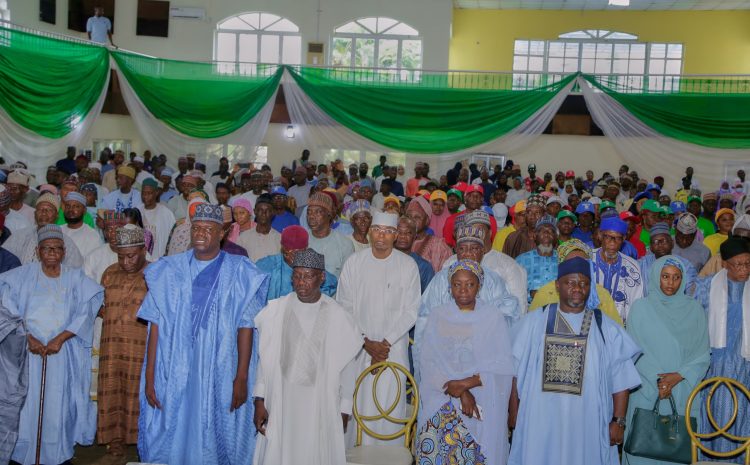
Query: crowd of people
224	318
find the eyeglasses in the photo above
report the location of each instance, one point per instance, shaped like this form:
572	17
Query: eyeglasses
611	238
56	250
739	265
382	230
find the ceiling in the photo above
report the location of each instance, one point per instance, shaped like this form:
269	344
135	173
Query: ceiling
602	5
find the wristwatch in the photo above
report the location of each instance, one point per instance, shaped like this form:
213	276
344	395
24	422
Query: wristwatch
620	421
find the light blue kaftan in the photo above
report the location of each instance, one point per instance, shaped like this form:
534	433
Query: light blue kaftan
50	306
729	363
556	428
493	291
539	270
280	277
194	376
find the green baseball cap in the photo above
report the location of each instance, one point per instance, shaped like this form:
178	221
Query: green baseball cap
606	204
455	192
694	198
652	206
567	214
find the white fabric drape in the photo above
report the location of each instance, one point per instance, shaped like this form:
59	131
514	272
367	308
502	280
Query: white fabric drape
320	132
652	154
38	152
161	138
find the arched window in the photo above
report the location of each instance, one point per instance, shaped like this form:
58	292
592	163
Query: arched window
376	42
250	38
630	62
4	10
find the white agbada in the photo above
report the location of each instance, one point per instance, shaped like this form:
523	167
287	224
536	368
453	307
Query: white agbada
512	273
384	297
95	263
159	221
27	212
85	238
306	376
16	221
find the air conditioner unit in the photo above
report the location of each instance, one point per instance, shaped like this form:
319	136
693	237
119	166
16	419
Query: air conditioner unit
187	12
315	53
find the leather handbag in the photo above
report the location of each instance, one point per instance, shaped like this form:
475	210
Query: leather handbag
660	437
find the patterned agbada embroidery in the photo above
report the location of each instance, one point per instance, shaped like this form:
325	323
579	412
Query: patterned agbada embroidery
445	440
564	353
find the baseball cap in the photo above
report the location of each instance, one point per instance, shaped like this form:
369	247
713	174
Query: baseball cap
652	206
653	186
678	206
570	174
585	207
606	204
474	188
567	214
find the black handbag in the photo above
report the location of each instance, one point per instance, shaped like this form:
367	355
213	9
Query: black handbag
660	437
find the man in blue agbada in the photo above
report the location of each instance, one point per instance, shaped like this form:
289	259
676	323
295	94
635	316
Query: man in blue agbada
58	305
279	267
200	365
574	370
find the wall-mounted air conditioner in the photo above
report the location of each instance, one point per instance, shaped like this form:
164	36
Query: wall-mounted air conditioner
187	12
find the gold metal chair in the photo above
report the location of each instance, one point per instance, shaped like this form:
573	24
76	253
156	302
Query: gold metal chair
696	438
384	455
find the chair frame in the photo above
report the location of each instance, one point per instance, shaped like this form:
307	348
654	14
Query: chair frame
696	438
408	422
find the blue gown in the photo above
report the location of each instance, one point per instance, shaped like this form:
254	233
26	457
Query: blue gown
566	429
196	364
729	363
49	307
280	277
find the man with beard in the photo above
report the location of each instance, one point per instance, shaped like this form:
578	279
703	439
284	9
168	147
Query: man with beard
523	240
617	272
685	244
541	263
83	235
336	247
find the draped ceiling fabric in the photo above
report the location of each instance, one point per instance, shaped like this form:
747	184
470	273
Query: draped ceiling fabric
440	118
51	91
659	133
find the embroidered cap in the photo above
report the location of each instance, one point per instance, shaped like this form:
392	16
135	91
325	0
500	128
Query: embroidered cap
324	201
128	171
208	212
659	228
130	235
687	224
546	220
466	233
467	265
114	217
76	197
385	219
308	258
477	217
49	231
49	198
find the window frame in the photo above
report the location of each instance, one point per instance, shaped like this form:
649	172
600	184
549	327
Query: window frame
645	80
258	33
376	37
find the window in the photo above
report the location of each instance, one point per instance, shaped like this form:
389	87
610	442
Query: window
358	156
376	42
632	64
236	153
113	144
4	10
250	38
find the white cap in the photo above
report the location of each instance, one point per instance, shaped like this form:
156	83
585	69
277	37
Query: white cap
500	212
95	165
389	220
138	159
595	200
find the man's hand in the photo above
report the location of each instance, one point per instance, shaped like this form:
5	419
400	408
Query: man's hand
260	418
55	344
469	405
239	394
151	393
36	347
377	350
616	434
455	388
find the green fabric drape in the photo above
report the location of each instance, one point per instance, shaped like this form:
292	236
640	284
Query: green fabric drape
696	112
48	86
198	99
428	115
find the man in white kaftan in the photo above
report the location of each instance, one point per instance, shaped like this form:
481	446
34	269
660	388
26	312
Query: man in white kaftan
380	287
83	235
305	378
157	218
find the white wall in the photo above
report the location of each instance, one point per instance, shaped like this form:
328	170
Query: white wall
193	39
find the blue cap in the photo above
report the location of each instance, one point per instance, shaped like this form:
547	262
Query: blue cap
278	190
574	265
585	207
615	224
167	172
659	228
653	186
208	212
678	207
643	195
76	197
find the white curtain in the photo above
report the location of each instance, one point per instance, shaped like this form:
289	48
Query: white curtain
320	132
652	154
38	152
161	138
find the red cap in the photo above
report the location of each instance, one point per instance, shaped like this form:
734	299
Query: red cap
570	174
294	237
473	188
461	187
629	216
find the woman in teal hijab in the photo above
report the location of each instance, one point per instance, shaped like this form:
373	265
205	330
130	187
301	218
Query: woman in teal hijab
672	330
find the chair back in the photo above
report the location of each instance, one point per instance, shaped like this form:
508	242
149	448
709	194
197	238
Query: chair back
697	439
395	370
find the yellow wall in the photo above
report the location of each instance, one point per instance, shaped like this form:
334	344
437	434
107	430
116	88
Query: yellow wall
715	42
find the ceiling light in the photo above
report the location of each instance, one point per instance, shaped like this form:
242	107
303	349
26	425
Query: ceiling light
618	2
289	132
